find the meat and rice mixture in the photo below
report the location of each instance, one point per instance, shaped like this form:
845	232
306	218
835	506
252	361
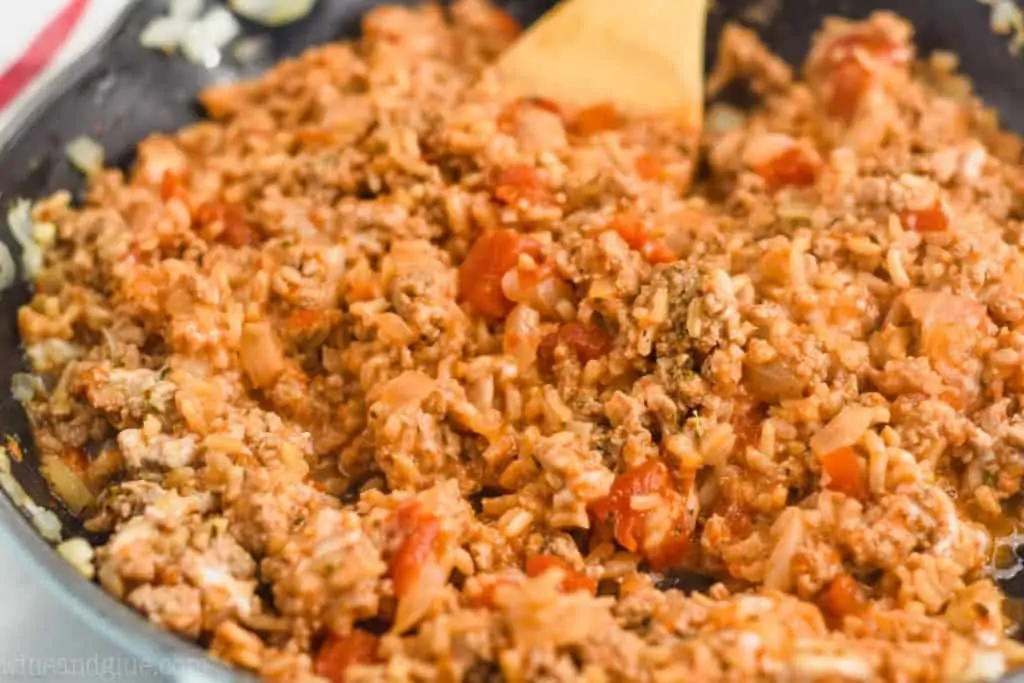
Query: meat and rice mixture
382	375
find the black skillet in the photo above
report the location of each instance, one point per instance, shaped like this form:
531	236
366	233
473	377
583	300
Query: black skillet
120	92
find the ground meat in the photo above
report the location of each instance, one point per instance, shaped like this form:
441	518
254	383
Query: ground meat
383	373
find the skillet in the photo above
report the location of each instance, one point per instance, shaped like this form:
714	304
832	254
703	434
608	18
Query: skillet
120	92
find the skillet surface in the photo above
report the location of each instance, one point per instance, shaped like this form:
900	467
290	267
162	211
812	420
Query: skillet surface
121	92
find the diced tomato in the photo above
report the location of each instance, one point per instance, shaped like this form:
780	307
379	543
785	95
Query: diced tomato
415	533
504	24
793	167
234	231
650	478
845	473
172	185
848	74
849	81
649	166
631	231
304	320
587	342
635	235
597	119
572	580
510	113
338	653
656	251
491	256
933	219
844	596
519	183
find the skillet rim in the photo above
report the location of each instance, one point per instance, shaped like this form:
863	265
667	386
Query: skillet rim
125	629
121	626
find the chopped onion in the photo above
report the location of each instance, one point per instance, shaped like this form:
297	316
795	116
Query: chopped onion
164	33
407	390
260	354
846	428
19	218
722	118
206	37
85	154
185	9
8	271
79	553
67	485
251	50
45	521
272	12
24	386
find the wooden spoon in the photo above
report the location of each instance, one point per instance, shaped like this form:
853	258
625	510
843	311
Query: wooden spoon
645	56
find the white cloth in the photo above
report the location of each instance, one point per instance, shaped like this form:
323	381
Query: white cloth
23	20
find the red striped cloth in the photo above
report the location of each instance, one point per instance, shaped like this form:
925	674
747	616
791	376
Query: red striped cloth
41	39
40	52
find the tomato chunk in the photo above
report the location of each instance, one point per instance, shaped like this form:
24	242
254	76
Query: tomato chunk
491	256
416	535
793	167
847	68
650	478
844	596
338	653
636	236
932	219
845	473
597	119
572	580
234	230
587	342
849	81
520	184
649	166
504	24
172	185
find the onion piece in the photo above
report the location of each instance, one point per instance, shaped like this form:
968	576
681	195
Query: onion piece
8	271
85	154
251	50
24	386
19	218
846	428
407	390
260	354
79	553
45	521
272	12
163	33
185	9
204	39
67	485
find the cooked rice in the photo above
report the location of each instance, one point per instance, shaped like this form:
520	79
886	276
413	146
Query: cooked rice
378	375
